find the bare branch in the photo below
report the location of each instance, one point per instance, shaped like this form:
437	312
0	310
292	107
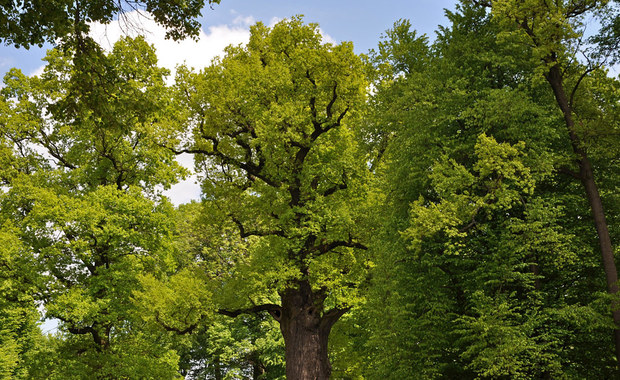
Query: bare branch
581	78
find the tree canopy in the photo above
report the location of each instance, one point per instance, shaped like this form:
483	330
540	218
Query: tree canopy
28	23
441	208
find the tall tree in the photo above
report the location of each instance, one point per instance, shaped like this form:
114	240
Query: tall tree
273	127
478	276
554	33
83	197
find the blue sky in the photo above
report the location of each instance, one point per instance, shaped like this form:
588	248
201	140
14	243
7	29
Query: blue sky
344	20
360	21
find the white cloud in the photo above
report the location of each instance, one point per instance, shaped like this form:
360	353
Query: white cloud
38	71
194	53
274	20
184	191
326	38
244	20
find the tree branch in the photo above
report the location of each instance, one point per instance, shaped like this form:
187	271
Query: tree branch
340	186
324	248
482	3
249	167
166	327
274	310
245	233
328	110
331	317
581	78
567	171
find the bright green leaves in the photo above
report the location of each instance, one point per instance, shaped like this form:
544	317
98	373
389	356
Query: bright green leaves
179	304
90	249
401	51
539	233
498	181
502	340
482	243
274	141
107	129
18	311
547	27
83	197
500	165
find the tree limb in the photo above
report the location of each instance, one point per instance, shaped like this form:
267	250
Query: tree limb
340	186
274	310
324	248
331	317
567	171
243	232
166	327
581	77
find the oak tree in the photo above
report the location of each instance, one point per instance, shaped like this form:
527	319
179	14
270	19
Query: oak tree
82	194
273	129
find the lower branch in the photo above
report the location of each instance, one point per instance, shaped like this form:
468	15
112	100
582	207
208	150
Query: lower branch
274	310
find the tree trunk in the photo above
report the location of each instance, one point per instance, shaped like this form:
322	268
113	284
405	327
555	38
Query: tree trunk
257	370
305	329
218	368
586	176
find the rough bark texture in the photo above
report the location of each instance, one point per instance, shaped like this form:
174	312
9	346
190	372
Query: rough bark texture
586	176
305	328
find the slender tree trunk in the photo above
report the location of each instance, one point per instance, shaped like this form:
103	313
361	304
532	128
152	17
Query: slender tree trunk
218	368
257	370
586	176
306	329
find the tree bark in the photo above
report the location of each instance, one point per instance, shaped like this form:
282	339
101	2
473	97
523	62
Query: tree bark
586	176
305	328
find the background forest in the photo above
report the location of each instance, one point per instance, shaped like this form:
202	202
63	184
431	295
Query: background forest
432	209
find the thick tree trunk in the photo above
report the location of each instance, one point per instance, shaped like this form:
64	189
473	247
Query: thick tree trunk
305	329
586	176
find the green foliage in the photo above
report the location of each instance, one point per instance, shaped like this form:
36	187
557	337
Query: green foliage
18	313
440	213
248	347
485	248
35	22
84	198
281	168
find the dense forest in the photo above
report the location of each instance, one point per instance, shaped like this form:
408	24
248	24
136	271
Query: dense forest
444	208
